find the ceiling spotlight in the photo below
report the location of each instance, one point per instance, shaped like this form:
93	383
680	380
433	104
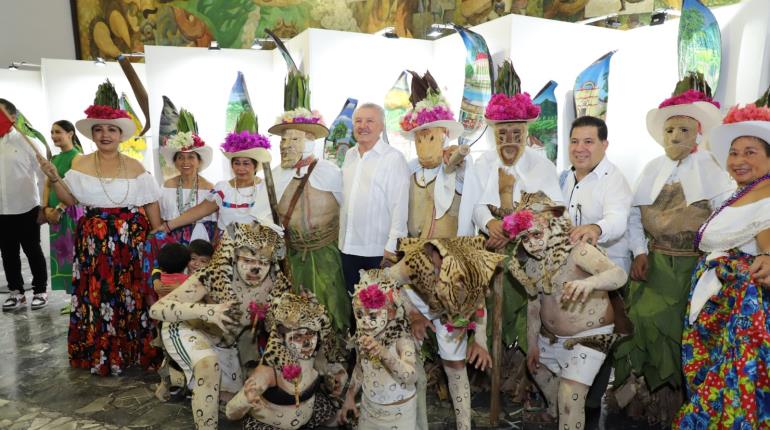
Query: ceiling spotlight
437	30
214	45
389	32
257	44
99	62
658	17
612	22
13	67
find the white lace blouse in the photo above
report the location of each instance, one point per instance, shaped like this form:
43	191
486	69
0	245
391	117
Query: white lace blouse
90	191
242	205
169	208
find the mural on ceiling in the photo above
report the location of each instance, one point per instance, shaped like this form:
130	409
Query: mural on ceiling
106	28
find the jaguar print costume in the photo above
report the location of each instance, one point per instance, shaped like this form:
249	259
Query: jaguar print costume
204	316
460	286
292	312
570	319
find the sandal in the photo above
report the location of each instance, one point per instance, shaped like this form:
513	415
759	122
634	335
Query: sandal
14	301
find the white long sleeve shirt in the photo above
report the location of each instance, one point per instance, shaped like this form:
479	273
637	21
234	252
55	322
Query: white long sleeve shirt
376	200
602	197
21	180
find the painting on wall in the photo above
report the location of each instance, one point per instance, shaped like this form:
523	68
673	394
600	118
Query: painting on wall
107	28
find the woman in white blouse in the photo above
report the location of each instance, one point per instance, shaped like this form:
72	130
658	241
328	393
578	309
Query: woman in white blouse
190	155
110	328
726	340
242	199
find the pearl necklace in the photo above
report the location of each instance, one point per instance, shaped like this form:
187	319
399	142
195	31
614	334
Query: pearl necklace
121	173
737	195
191	201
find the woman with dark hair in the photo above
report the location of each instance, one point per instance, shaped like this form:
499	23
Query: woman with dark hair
190	155
726	340
61	218
110	328
242	199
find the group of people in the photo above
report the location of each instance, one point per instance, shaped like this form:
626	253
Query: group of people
387	250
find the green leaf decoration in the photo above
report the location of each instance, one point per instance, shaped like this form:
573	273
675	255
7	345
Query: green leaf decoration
693	81
186	122
508	81
764	101
106	95
26	128
247	121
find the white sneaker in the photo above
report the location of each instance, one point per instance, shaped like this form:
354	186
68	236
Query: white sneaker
14	301
39	301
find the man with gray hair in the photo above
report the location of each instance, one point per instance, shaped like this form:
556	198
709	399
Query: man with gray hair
375	180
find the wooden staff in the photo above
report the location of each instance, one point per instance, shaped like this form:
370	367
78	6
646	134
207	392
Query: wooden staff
497	347
273	199
457	158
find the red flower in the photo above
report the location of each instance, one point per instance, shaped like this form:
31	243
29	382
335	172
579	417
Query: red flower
291	372
105	112
517	222
515	108
258	311
372	297
688	97
750	112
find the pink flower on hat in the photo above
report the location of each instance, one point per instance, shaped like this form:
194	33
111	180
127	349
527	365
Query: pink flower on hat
518	107
750	112
105	112
372	297
688	97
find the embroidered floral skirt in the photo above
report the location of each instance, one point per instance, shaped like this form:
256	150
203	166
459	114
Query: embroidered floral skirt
725	353
110	328
183	234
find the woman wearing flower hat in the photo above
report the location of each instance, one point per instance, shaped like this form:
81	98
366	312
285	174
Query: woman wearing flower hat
674	195
726	341
190	155
110	328
242	199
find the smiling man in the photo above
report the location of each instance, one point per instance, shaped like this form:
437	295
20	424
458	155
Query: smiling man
596	192
375	179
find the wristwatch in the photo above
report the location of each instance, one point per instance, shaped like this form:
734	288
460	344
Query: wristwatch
60	208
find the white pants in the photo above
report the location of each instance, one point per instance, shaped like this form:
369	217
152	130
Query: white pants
580	364
375	416
188	346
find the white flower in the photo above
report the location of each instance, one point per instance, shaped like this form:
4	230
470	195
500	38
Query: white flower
129	302
106	311
180	140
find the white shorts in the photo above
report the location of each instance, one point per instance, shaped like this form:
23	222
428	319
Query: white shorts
375	416
580	364
451	346
187	346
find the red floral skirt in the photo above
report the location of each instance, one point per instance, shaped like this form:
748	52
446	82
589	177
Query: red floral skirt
110	327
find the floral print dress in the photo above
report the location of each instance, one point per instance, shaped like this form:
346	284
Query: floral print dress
726	343
110	328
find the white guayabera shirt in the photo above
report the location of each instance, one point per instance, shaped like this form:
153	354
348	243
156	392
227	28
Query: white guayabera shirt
376	199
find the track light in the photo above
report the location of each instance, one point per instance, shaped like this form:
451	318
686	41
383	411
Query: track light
19	65
257	44
214	46
389	32
99	62
437	30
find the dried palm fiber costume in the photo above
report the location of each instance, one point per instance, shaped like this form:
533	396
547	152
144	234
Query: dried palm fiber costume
674	195
309	193
386	379
503	175
292	375
437	210
109	328
571	338
454	296
243	273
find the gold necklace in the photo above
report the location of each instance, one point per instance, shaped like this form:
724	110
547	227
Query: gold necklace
253	191
121	173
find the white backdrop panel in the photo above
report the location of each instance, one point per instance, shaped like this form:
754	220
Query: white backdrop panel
200	80
24	89
69	87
